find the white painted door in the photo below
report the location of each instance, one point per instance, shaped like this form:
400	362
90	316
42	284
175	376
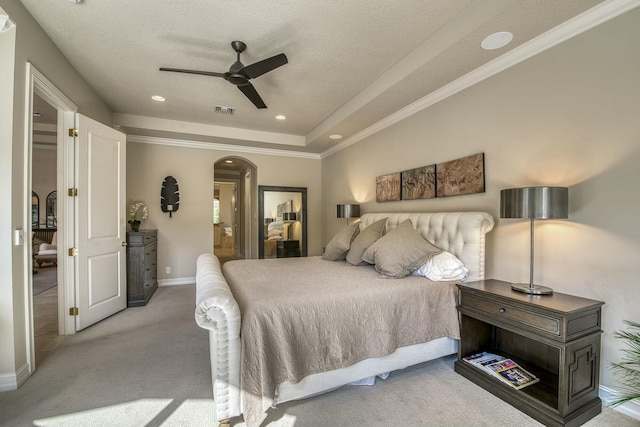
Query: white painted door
101	281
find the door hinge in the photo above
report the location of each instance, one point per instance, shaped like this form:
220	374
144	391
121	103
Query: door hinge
73	252
73	311
73	132
73	192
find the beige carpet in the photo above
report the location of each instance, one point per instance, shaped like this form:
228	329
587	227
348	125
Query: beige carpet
44	278
149	366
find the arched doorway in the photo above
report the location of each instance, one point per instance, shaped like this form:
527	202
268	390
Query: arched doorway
234	209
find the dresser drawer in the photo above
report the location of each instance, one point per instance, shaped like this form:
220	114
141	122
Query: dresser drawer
523	317
142	238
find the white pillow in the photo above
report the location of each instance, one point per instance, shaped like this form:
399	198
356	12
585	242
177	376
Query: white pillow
275	225
443	267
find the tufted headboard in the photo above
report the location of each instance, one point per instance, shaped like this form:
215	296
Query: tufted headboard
461	233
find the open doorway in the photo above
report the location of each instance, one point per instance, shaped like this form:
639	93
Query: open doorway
44	227
234	209
49	112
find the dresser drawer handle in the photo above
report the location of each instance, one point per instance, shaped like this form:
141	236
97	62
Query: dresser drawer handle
503	310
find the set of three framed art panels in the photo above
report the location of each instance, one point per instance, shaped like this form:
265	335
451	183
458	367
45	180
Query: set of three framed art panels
452	178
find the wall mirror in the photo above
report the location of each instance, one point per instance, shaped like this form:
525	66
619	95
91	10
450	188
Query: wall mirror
50	209
35	210
282	221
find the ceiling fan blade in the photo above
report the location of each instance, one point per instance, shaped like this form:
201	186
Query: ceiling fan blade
204	73
253	96
264	66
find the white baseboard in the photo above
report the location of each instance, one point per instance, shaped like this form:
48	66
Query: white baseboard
631	408
177	282
10	382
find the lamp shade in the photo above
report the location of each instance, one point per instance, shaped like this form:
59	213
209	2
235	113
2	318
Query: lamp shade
348	211
289	216
535	203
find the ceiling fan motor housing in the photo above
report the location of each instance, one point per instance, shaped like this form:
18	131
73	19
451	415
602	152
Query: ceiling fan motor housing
237	79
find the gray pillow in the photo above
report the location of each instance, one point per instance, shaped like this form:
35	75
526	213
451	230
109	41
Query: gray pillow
401	251
365	239
338	246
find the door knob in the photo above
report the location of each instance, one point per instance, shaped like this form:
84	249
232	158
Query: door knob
123	244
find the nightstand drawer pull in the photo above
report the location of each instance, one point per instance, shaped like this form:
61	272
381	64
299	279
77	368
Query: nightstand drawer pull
503	310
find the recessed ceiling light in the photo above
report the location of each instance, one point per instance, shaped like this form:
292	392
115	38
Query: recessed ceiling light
158	98
228	161
335	136
36	114
496	40
281	117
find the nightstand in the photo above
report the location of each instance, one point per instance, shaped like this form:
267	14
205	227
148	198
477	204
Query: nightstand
288	248
555	337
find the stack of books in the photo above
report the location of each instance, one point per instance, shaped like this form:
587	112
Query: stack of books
505	369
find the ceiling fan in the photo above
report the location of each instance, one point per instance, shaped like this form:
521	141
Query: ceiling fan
240	75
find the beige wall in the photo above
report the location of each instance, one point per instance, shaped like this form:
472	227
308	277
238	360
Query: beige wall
189	233
227	193
567	117
33	45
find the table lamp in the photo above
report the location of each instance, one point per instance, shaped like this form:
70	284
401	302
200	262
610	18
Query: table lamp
289	217
534	203
348	211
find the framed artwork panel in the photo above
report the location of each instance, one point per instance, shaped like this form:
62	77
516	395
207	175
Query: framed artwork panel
460	176
388	187
419	183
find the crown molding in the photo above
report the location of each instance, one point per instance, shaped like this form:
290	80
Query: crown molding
220	147
589	19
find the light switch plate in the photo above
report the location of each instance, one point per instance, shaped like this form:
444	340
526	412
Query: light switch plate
18	239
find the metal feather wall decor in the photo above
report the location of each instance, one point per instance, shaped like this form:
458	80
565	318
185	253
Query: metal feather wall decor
169	195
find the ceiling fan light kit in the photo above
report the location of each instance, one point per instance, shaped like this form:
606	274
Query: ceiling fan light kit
239	74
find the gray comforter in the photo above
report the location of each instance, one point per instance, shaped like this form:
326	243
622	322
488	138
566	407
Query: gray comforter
302	316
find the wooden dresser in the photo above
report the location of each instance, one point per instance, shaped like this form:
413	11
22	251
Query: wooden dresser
288	248
142	270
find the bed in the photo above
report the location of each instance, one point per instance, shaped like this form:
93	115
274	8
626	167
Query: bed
264	351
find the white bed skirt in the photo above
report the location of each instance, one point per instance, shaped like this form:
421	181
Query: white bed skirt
401	358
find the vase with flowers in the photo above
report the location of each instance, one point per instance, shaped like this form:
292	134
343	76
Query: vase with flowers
138	212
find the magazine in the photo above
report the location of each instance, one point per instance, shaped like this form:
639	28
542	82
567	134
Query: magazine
505	369
482	360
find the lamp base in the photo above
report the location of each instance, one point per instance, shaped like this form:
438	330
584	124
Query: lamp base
531	289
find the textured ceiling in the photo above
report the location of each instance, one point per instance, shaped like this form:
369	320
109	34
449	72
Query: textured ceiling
351	63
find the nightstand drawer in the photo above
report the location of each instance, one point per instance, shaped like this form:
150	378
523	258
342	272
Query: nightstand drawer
524	318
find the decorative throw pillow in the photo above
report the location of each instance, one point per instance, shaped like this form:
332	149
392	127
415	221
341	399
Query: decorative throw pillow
401	251
338	246
365	239
443	267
